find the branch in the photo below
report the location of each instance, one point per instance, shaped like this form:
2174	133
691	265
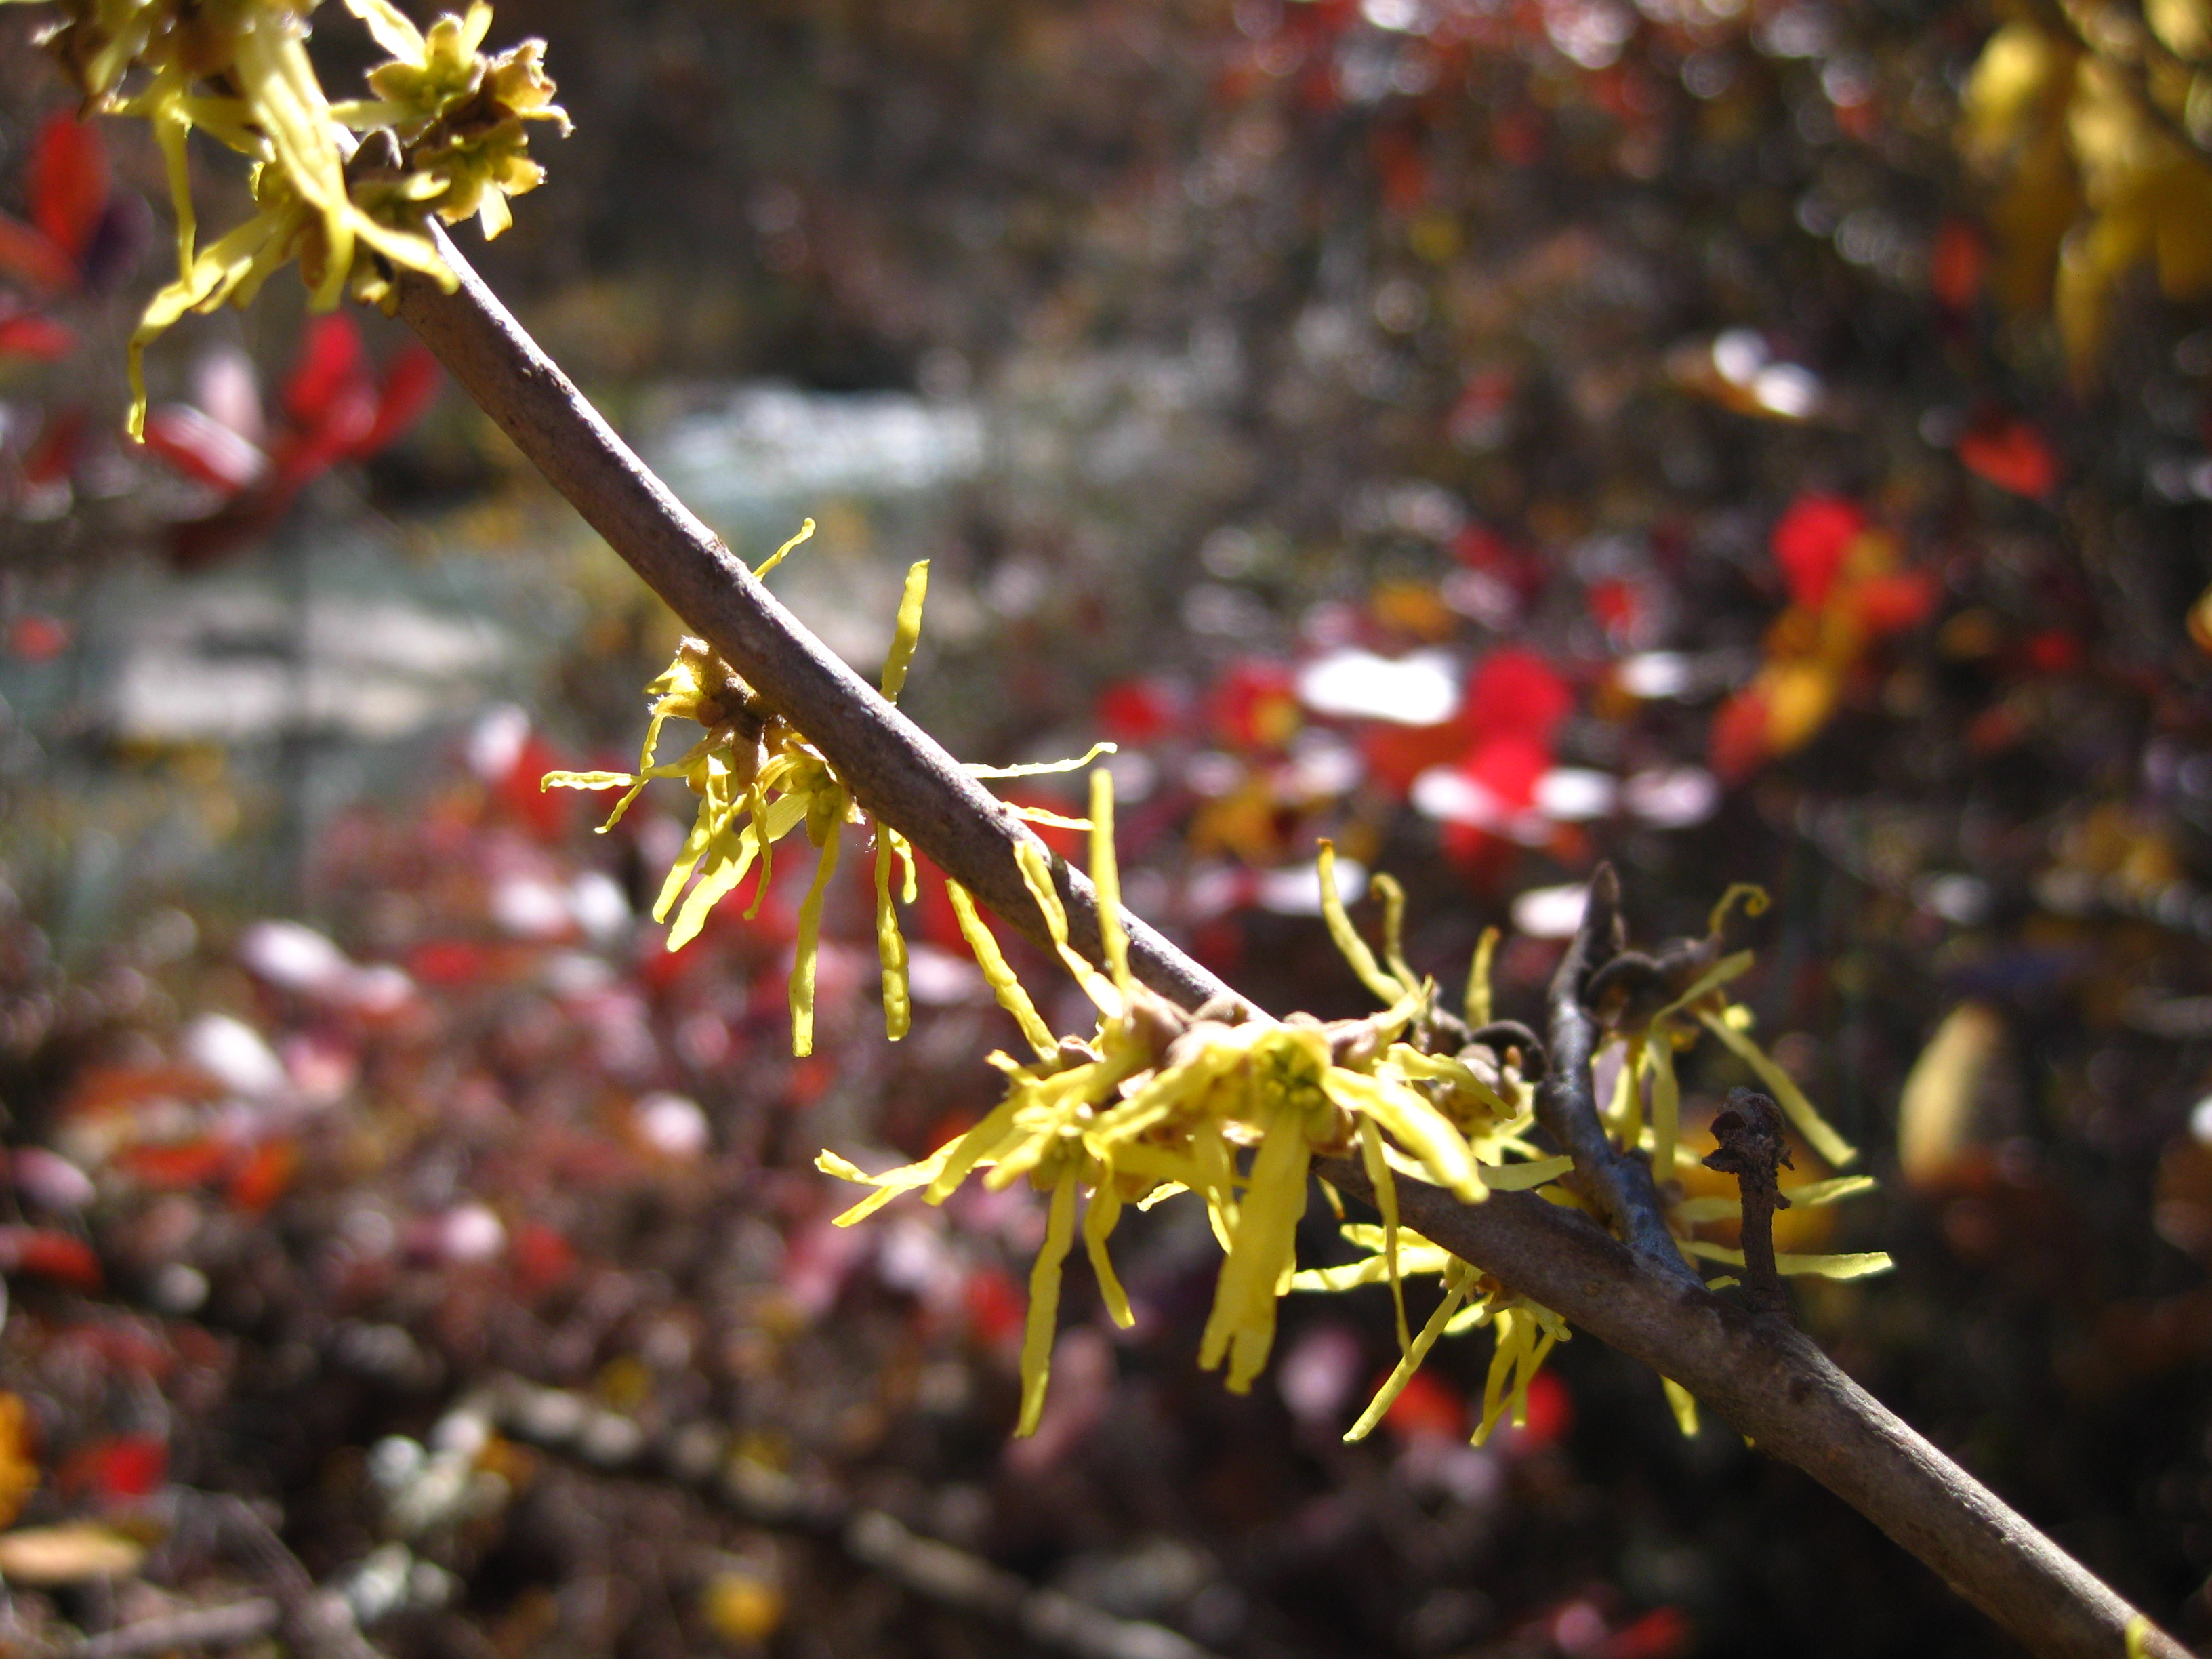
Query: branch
1619	1183
1773	1385
893	768
1765	1378
1753	1149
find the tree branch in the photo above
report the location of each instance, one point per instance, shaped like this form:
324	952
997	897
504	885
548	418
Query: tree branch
1619	1183
893	768
1765	1378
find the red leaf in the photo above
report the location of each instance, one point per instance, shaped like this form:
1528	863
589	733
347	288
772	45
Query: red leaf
204	448
449	962
1810	542
1396	755
996	1307
68	183
54	456
410	386
1515	690
1508	765
542	1259
261	1181
25	253
41	339
331	368
43	1253
1956	264
1738	743
1252	705
2053	651
1427	1409
1888	604
1135	710
185	1164
36	638
1661	1633
2012	455
129	1466
1615	605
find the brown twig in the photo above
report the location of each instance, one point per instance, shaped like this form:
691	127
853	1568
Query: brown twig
1618	1182
1765	1378
1753	1149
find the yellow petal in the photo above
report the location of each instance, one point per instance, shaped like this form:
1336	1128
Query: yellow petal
1106	878
809	945
1000	977
1783	1087
777	557
1044	1304
1477	1001
1457	1280
1099	1215
1684	1404
1348	942
1039	768
908	632
890	947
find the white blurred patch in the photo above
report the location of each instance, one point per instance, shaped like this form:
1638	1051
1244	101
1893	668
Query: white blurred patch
939	979
1449	796
50	1179
1550	912
1672	798
233	1053
471	1233
671	1124
600	907
496	740
1575	794
1655	674
530	908
1421	689
1296	891
293	958
1323	767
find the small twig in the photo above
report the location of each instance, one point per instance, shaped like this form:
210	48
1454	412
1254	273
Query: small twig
1753	1149
1618	1182
1501	1034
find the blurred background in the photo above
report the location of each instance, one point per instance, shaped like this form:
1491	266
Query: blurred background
1748	441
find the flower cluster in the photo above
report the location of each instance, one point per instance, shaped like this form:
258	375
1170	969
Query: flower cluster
1226	1103
758	778
447	121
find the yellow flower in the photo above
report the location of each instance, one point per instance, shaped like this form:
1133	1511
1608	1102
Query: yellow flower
757	778
1227	1105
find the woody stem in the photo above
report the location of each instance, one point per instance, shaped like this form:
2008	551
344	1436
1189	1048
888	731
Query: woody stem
1765	1378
